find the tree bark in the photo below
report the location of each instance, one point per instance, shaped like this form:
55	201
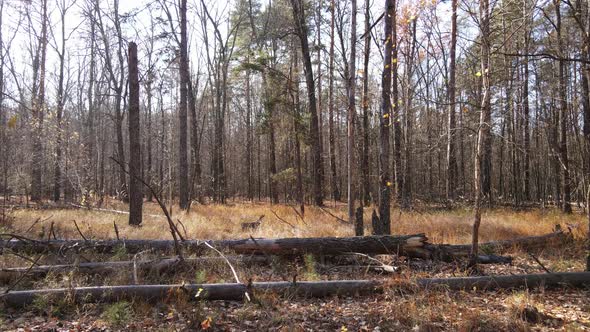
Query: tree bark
301	28
452	126
331	138
384	222
182	111
135	185
484	126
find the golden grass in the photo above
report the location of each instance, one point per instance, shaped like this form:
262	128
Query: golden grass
224	221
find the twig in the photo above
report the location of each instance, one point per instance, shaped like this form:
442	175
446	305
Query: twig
333	215
50	231
385	267
230	266
22	276
283	220
539	262
116	230
183	229
135	278
79	231
299	214
173	230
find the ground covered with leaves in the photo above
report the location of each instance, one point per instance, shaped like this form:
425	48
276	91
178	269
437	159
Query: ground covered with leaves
402	305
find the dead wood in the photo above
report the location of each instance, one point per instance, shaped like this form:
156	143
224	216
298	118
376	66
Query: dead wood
236	291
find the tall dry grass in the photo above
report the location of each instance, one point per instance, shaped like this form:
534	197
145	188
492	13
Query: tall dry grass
224	221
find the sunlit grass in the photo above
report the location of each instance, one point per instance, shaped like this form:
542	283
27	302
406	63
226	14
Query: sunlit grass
214	221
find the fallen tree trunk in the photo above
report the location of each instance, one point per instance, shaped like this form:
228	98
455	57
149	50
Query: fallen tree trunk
225	291
529	243
574	279
155	265
236	291
415	246
412	245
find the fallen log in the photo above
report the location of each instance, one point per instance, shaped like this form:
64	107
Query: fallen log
222	291
235	291
410	245
529	243
415	246
156	265
574	279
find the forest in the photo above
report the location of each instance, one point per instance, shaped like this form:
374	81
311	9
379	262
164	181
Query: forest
295	165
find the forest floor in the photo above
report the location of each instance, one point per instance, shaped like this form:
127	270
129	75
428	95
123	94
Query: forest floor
397	308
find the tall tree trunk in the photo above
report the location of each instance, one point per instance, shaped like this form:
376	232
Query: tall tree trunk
562	87
451	141
384	226
351	123
301	27
135	185
365	162
331	138
38	111
57	176
397	130
484	126
182	112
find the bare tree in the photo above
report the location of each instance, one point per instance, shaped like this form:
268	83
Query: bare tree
135	185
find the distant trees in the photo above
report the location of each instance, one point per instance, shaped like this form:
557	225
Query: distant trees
223	118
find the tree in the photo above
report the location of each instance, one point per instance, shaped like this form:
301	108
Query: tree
484	125
182	112
452	125
38	109
135	185
384	226
563	155
301	30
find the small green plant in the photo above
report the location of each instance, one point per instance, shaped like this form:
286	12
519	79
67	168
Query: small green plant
119	253
310	268
201	277
118	313
45	305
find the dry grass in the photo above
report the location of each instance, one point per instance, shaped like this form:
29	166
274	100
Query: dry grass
224	221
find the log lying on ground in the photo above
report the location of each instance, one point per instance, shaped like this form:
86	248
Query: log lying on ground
573	279
529	243
154	265
236	291
415	246
411	245
224	291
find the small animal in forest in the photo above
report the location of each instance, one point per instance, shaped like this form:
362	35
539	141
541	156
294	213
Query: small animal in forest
252	226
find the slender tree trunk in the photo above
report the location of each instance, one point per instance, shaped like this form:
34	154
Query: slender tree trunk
384	226
331	138
57	176
365	162
135	186
301	27
397	130
484	126
38	111
351	123
182	112
451	141
562	87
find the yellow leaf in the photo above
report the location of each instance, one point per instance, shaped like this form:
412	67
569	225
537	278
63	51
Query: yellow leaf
343	329
206	324
386	66
386	115
478	74
388	184
12	122
394	60
199	291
